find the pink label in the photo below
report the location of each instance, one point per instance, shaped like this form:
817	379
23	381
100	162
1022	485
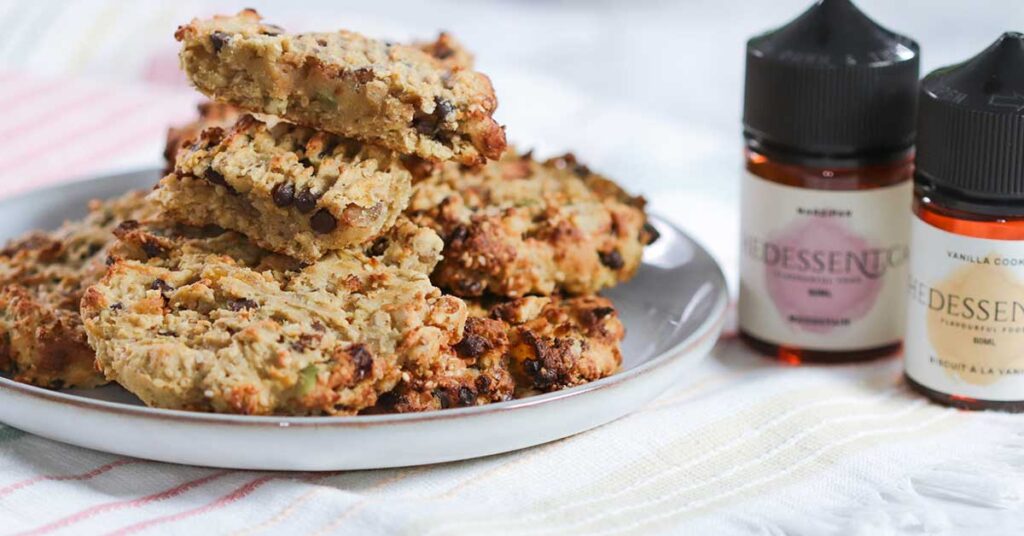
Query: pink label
823	269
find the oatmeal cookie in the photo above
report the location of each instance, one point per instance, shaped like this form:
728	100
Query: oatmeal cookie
555	343
413	99
475	373
215	323
42	278
211	114
291	189
517	227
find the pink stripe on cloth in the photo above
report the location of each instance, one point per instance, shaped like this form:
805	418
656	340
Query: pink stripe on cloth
7	490
50	116
236	495
121	505
90	131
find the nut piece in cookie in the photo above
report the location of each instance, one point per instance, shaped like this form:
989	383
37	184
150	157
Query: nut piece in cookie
518	227
291	189
42	278
211	322
421	99
555	343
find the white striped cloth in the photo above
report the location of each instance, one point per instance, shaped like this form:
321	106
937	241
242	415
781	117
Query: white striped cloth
742	446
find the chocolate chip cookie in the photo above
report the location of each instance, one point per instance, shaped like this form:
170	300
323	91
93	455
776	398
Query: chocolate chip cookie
206	320
517	227
418	100
555	343
290	189
42	278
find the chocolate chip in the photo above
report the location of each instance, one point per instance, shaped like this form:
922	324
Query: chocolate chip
532	367
305	201
649	234
283	194
458	234
239	304
443	398
321	41
152	249
601	312
483	383
466	396
218	40
581	171
323	221
362	359
445	109
378	247
110	260
117	306
472	346
612	259
306	162
93	249
161	285
214	177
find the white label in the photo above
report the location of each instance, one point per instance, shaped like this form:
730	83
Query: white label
823	270
965	319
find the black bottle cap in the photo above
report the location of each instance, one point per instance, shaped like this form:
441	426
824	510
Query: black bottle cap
971	125
831	83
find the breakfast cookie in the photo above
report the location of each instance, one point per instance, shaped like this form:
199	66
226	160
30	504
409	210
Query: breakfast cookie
42	278
291	189
212	322
475	372
414	99
555	343
517	227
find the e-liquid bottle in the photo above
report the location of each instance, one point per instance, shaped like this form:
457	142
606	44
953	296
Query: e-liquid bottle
829	126
965	319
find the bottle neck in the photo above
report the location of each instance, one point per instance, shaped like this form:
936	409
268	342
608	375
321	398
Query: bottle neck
965	205
812	159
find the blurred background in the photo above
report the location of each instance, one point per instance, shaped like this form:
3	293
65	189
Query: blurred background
647	91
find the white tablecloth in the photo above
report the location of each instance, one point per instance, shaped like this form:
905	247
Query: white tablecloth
743	445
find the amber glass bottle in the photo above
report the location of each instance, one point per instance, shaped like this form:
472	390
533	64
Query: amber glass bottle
829	127
965	320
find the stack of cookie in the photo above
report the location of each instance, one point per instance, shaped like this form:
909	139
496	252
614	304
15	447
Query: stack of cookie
342	231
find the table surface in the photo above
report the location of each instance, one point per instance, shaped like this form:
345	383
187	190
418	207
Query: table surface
648	92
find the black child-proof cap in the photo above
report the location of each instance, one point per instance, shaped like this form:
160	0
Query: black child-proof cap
971	127
831	83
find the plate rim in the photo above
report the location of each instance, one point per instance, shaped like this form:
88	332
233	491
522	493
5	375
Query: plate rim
710	326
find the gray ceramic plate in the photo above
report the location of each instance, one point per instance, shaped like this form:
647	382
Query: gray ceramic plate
673	312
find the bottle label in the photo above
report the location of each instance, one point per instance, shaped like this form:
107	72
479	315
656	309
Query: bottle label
823	269
965	317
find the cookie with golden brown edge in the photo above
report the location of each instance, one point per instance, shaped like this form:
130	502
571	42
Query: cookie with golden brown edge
555	343
211	114
291	189
518	227
212	322
42	278
475	373
413	99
